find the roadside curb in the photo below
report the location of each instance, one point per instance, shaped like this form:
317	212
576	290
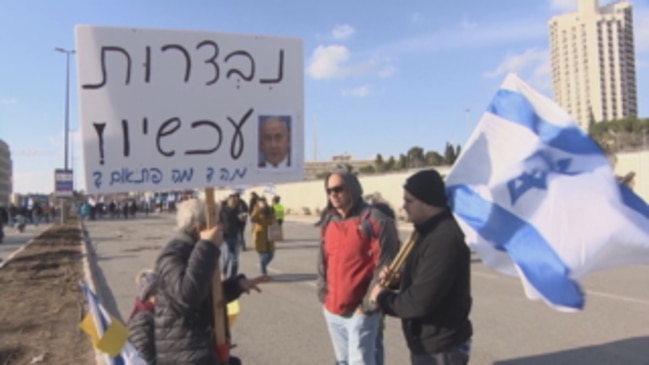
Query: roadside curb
21	248
89	262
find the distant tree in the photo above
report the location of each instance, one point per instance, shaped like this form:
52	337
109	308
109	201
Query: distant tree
391	164
368	169
458	150
403	162
449	154
617	135
379	163
416	157
433	158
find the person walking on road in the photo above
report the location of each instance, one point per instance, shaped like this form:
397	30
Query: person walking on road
262	218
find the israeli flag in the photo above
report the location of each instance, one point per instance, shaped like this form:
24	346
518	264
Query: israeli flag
107	334
538	199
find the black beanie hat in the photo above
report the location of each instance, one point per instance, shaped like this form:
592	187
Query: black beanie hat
427	186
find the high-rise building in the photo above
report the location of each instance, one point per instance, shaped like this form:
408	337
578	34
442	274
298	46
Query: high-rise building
6	181
593	62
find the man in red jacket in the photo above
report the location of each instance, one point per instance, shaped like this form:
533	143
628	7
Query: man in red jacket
357	241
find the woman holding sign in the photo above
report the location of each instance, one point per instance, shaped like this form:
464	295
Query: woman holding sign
183	313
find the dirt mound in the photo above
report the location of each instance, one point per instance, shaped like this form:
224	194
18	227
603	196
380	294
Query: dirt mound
40	302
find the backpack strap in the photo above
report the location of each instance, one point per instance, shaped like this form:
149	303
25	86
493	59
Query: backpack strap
365	225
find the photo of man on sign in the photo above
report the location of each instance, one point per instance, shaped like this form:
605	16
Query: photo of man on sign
274	141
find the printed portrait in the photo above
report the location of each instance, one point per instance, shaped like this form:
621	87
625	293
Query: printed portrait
275	139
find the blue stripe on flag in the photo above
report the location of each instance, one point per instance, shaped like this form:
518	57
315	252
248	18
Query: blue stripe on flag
542	267
515	107
631	200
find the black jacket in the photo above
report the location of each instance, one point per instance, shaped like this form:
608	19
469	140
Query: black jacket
229	218
183	315
434	299
141	335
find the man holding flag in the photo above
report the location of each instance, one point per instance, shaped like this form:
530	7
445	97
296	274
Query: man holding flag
434	297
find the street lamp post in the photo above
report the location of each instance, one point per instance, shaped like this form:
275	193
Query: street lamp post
66	131
67	102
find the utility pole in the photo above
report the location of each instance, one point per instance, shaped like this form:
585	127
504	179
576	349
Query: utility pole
66	129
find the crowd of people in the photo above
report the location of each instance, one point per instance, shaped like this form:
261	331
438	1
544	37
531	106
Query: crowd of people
31	212
172	319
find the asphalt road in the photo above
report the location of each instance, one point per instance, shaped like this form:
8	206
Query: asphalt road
14	239
285	325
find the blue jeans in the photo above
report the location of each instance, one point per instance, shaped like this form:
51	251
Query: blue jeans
379	351
230	255
353	337
264	259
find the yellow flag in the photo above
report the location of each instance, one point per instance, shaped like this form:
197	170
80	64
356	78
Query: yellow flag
233	312
113	339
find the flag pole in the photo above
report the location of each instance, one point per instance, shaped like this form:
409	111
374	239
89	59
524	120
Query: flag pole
218	304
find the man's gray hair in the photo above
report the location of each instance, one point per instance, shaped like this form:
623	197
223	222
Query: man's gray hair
190	213
284	119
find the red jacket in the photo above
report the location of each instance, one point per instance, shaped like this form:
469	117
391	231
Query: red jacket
350	260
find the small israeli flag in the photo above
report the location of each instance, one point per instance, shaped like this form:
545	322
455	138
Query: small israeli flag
107	334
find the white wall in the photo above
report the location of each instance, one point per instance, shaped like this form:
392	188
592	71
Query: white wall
311	194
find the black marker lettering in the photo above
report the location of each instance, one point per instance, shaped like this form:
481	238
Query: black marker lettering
280	72
236	147
99	128
238	72
225	174
163	131
127	141
212	60
97	176
145	126
216	127
210	174
181	49
147	65
239	173
105	50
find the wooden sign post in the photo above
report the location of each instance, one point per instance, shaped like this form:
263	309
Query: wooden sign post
219	306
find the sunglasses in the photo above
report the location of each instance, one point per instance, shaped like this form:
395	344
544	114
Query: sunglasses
336	189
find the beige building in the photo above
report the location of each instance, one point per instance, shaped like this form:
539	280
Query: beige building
593	62
312	169
5	174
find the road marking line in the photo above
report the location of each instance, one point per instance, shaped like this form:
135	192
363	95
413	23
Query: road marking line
618	297
589	292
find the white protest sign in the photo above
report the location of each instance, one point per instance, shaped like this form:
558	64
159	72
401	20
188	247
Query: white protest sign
166	109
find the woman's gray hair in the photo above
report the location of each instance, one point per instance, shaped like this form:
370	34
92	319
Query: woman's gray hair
190	214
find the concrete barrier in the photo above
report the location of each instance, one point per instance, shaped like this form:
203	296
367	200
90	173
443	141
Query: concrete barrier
308	197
